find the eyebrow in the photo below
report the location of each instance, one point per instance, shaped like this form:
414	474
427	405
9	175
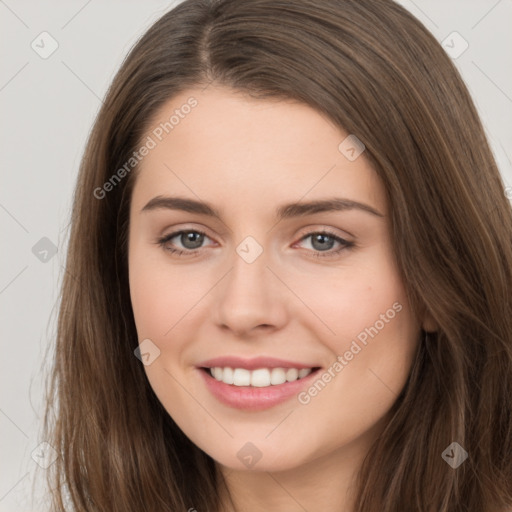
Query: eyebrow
286	211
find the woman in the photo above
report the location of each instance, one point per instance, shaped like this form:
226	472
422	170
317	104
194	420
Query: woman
289	273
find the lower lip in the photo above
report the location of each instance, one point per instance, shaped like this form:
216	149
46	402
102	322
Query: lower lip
254	398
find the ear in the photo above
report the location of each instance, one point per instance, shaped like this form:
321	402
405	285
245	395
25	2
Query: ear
429	324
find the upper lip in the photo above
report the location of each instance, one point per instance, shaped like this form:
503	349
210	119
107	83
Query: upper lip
253	363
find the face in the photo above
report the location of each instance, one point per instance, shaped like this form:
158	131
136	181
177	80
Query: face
297	291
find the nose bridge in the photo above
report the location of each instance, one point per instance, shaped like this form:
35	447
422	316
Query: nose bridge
248	281
250	295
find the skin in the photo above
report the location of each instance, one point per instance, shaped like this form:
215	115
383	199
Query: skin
246	157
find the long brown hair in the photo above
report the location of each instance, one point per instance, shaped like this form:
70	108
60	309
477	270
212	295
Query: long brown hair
376	72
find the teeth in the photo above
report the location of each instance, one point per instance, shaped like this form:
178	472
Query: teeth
277	376
304	372
227	375
241	376
260	378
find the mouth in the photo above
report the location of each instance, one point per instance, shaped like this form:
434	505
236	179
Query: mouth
257	389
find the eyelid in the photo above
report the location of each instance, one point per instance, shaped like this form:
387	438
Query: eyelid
165	238
319	228
307	230
173	231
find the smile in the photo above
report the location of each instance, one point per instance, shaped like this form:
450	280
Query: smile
258	389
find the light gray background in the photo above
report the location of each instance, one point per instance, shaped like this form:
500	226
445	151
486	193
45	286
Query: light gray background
48	107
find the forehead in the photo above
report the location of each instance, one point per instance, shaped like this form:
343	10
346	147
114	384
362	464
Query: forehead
227	147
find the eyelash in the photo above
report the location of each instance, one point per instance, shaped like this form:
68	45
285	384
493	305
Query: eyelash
345	244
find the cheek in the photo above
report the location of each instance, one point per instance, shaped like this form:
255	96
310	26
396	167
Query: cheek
355	297
163	298
161	293
371	329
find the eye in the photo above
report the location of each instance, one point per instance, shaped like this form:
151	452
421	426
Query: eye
191	241
323	241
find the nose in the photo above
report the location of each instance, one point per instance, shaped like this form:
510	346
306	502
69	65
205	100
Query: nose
251	298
